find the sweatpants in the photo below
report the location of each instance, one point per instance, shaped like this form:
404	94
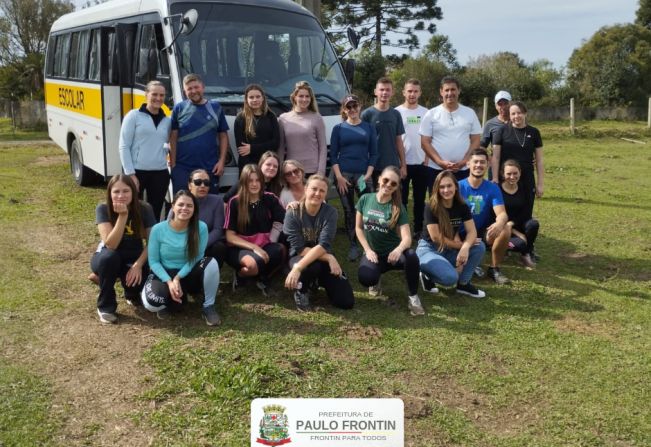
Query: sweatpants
440	267
338	288
109	265
369	273
203	276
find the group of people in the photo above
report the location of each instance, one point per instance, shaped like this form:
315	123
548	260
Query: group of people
277	219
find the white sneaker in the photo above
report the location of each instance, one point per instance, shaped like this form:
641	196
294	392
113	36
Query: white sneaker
415	307
427	284
375	290
107	317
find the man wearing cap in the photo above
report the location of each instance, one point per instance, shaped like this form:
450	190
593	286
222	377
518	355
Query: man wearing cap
502	101
418	173
450	131
389	128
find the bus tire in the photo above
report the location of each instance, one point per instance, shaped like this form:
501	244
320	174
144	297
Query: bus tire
83	176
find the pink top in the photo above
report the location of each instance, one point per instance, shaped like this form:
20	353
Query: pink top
303	138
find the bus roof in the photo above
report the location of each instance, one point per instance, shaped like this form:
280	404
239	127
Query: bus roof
114	9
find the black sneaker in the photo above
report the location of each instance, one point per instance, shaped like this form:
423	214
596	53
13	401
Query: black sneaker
302	301
211	316
237	282
497	276
470	290
163	314
264	288
428	284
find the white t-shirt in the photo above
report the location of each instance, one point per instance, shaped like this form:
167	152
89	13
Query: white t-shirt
411	119
450	131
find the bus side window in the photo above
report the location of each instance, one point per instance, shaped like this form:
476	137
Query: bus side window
93	61
49	63
61	56
78	55
151	63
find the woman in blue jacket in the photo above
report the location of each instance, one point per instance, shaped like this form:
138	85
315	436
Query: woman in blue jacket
143	151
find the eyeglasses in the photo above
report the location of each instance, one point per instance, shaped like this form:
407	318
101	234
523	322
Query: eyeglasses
293	172
201	181
352	106
391	183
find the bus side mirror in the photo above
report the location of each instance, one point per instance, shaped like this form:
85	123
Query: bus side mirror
353	38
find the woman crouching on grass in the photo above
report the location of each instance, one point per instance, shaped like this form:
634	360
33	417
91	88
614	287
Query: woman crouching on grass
524	228
176	248
382	228
123	223
310	228
445	256
253	224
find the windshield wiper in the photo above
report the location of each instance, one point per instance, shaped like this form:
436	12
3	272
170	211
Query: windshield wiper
325	95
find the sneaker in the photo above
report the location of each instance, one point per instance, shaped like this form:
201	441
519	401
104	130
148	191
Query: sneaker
497	276
237	282
535	256
302	301
354	253
415	307
470	290
211	316
107	317
163	314
428	284
264	288
375	290
527	261
479	272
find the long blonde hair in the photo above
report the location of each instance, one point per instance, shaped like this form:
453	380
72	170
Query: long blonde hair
304	85
247	111
436	205
243	194
396	197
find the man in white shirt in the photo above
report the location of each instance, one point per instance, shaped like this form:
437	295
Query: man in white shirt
450	131
418	173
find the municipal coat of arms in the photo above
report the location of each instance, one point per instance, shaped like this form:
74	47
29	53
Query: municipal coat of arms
273	426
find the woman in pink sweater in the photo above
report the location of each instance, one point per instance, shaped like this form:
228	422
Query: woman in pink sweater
302	131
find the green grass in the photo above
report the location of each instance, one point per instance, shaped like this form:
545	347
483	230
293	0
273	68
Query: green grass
9	133
560	357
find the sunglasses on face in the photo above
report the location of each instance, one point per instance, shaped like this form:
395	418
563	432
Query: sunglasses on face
201	181
391	183
352	106
293	172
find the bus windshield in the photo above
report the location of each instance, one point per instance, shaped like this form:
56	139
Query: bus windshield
236	45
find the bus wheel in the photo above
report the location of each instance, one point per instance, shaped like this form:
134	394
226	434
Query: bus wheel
82	175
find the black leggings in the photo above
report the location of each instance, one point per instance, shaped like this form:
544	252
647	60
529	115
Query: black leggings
369	273
530	230
348	203
274	250
338	288
110	265
217	251
156	183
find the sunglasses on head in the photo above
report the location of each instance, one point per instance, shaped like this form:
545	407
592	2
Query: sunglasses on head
392	183
293	172
352	106
201	181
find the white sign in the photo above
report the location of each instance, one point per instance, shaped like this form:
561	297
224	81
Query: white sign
328	422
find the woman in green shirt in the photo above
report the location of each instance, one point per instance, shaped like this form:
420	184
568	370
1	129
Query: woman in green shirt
382	228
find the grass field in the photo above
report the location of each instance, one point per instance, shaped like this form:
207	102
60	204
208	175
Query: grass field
9	133
560	357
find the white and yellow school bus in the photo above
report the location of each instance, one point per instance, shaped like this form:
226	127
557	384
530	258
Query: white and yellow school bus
99	60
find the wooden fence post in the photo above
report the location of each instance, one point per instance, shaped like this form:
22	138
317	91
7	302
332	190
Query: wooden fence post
572	128
484	113
648	114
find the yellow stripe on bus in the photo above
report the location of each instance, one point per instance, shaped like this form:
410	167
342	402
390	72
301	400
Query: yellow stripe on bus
84	100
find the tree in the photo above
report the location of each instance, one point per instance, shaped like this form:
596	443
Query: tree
374	19
613	67
24	29
370	67
439	48
643	14
429	72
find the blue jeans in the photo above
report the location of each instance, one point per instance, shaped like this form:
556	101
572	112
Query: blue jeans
440	266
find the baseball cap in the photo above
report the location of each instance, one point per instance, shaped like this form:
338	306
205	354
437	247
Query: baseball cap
350	98
502	94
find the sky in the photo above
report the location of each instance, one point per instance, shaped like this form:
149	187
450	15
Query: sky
534	29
